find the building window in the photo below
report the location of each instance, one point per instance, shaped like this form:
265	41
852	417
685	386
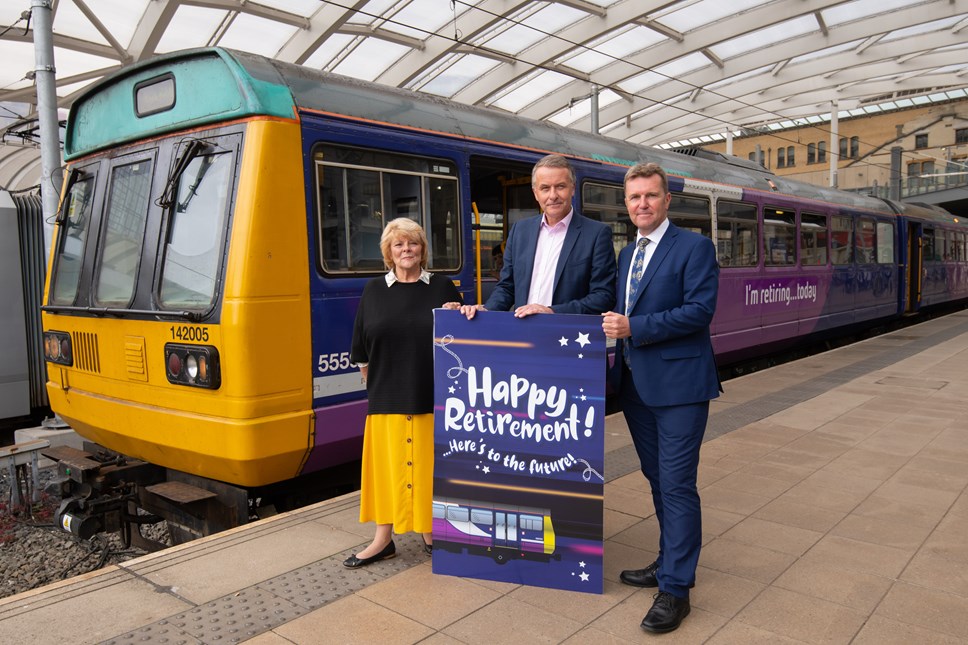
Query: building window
854	147
821	152
920	175
843	147
811	153
920	141
790	158
780	157
961	135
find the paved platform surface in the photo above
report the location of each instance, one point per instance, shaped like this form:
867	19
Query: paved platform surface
834	511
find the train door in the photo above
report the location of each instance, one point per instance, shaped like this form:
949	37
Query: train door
914	269
501	194
506	530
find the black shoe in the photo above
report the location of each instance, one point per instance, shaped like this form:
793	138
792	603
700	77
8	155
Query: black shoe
428	548
641	577
666	614
354	562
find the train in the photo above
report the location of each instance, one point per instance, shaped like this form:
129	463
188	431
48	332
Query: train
221	213
500	532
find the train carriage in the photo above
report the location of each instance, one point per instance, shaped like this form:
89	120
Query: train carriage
222	212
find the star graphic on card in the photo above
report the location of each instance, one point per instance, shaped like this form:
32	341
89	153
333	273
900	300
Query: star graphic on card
450	389
584	577
562	341
583	340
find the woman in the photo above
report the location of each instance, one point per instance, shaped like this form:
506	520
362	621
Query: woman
393	346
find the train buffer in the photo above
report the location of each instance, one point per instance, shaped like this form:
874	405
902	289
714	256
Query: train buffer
16	459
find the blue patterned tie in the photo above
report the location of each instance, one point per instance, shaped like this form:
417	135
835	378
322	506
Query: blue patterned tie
638	263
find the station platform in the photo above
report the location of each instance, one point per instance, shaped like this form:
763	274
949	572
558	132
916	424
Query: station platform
834	511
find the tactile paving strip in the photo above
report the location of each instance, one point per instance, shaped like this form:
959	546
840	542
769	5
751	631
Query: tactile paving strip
264	606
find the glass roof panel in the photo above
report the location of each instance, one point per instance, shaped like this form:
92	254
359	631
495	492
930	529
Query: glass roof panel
119	17
702	13
668	72
514	40
190	27
256	35
630	41
299	7
372	12
928	27
457	76
530	90
420	19
329	50
765	37
69	62
861	10
14	76
827	51
370	58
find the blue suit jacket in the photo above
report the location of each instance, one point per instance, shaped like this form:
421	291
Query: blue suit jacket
671	353
584	276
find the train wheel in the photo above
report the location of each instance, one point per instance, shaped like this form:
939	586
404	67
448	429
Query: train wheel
500	557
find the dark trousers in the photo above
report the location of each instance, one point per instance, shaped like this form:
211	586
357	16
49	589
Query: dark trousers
667	440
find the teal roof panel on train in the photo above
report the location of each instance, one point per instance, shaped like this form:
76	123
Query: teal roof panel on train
209	86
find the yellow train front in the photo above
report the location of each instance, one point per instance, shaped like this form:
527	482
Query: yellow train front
177	316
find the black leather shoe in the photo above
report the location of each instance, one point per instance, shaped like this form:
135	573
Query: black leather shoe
428	548
641	577
666	614
354	562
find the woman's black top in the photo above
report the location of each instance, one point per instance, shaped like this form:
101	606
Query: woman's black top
394	333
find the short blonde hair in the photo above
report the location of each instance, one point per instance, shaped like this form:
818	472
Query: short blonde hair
406	228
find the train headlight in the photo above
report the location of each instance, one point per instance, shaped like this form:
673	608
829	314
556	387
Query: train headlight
57	347
193	365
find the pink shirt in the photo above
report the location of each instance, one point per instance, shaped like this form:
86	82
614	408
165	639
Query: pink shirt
550	241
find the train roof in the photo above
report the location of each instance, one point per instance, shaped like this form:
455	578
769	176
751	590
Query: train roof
226	84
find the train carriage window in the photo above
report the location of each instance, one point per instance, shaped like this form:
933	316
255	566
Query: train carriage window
865	241
691	213
196	223
359	191
885	243
482	516
737	235
457	514
927	237
842	240
940	249
606	204
813	239
126	215
779	237
532	523
75	222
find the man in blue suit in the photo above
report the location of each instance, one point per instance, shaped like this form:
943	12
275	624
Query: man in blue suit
665	374
558	262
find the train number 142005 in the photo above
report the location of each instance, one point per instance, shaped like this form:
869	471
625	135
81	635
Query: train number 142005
189	333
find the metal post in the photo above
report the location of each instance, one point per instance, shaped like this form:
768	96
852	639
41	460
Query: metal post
44	78
594	114
834	144
894	192
729	142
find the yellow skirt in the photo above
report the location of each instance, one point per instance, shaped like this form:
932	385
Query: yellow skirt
397	480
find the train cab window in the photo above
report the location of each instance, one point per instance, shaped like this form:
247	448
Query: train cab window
779	237
124	224
737	235
359	191
531	522
842	240
691	213
813	239
75	218
607	204
865	241
885	243
196	221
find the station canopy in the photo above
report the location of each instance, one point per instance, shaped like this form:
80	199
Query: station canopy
667	73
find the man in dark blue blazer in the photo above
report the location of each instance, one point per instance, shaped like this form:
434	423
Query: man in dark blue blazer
558	262
665	374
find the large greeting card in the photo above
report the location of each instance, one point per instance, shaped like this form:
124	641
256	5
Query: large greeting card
519	448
